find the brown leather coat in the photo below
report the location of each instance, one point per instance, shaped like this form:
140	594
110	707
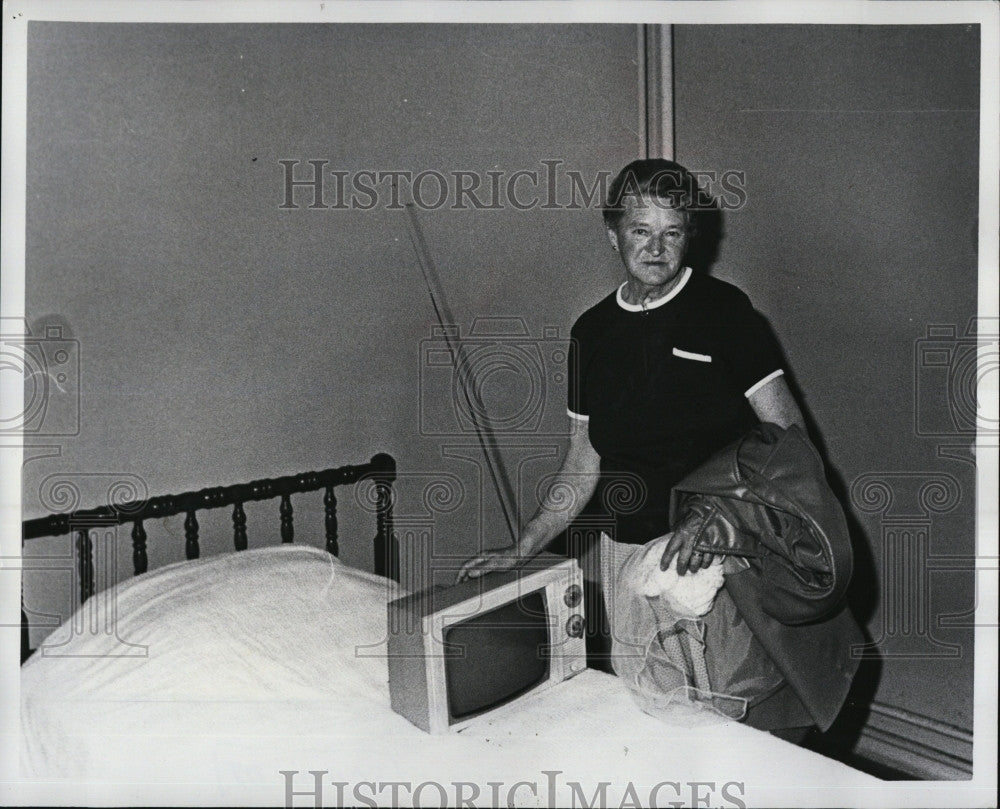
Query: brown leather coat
764	502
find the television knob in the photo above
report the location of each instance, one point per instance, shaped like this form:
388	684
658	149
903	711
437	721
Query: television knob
575	625
573	595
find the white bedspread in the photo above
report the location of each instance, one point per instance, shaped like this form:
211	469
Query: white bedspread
270	660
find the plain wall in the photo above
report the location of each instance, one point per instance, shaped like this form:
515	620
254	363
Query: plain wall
860	151
223	339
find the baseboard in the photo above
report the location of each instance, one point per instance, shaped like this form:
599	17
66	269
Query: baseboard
895	739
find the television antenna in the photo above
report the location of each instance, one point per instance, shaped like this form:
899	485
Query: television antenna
476	407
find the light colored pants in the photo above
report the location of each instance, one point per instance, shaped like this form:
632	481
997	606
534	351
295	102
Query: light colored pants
659	656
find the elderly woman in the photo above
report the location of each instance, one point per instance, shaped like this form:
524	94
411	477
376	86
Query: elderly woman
677	388
665	371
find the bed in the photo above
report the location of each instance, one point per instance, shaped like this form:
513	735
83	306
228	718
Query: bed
234	679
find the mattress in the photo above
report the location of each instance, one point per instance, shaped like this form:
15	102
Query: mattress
228	680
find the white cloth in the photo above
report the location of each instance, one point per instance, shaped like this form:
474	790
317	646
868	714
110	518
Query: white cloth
687	596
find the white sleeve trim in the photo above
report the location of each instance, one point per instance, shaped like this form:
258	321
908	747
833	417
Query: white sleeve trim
577	416
773	375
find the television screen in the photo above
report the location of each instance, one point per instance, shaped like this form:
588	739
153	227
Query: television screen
515	637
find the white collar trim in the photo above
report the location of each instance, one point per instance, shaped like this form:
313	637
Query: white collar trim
638	307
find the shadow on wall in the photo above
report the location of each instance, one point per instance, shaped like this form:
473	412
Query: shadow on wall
709	232
863	596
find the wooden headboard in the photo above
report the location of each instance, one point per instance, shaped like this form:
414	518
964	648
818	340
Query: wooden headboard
381	470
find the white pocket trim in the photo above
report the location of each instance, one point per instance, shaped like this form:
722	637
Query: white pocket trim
690	355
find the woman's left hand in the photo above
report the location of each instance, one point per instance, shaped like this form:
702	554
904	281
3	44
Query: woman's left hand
682	545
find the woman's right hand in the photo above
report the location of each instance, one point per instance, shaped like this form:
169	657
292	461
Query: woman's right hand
489	561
